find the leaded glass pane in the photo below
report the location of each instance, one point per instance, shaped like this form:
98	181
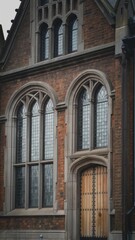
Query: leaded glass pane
83	140
48	185
35	127
20	187
101	116
49	131
33	186
44	42
74	36
60	40
21	135
46	45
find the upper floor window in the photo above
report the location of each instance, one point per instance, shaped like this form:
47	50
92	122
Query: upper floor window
43	2
44	42
60	26
58	38
92	110
101	114
33	167
72	34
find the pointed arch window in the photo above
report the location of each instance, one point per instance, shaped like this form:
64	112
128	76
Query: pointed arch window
44	42
33	167
72	34
101	118
84	120
58	38
92	116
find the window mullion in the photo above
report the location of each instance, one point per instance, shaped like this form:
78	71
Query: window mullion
91	123
41	158
28	144
26	186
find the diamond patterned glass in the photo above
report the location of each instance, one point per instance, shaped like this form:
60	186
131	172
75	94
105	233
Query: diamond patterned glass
20	187
60	40
33	168
48	185
21	135
74	36
83	139
33	191
35	127
101	118
44	42
49	131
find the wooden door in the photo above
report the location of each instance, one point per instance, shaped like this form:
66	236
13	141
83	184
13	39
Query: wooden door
94	206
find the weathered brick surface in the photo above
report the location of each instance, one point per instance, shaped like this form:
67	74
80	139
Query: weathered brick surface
20	50
33	223
96	28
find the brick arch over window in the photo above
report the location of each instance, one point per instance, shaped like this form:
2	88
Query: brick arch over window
31	152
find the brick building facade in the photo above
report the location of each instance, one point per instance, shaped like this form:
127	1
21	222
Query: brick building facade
66	121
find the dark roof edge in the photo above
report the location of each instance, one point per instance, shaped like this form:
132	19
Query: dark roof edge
13	30
2	40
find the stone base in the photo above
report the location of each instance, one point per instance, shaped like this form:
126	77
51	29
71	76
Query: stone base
34	235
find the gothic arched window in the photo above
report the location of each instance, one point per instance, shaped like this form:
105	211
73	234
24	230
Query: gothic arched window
44	42
33	167
72	34
58	38
92	116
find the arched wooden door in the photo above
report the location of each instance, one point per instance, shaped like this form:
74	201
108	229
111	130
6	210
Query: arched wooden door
94	204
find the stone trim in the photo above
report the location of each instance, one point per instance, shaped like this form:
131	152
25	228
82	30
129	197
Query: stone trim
58	63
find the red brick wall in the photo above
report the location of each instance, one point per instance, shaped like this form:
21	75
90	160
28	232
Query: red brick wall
20	51
33	223
96	28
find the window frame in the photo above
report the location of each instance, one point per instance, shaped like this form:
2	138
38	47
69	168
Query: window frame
11	152
91	88
39	161
72	19
44	42
58	38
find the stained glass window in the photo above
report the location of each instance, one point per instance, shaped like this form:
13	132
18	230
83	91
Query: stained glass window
92	116
33	191
101	118
72	35
83	120
58	38
49	135
44	42
48	185
20	187
34	151
21	135
35	128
